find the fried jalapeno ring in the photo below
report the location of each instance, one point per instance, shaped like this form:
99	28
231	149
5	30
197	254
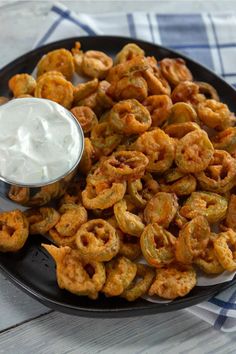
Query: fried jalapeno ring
207	90
193	240
211	205
128	222
72	217
55	88
129	87
174	181
19	195
225	249
172	282
104	139
161	209
159	107
85	89
142	190
102	194
86	117
208	261
215	114
159	149
175	71
125	165
194	152
14	230
220	175
76	275
182	112
179	130
129	117
129	245
230	220
128	52
96	64
41	220
136	289
188	92
104	98
97	240
57	60
22	84
120	274
225	140
158	245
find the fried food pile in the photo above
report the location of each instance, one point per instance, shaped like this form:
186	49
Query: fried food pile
157	175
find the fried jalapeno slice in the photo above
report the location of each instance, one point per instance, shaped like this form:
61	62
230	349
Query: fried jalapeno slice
125	165
158	245
129	87
22	84
19	195
86	117
41	220
188	92
177	182
128	52
127	221
175	71
120	274
129	117
55	88
207	90
57	60
161	209
215	114
172	282
102	196
159	149
159	107
104	139
97	240
14	230
208	261
72	216
136	289
194	152
142	190
76	275
193	240
179	130
211	205
225	249
96	64
225	140
182	112
220	174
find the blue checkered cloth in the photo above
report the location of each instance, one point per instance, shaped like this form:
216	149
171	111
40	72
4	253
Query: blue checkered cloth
209	39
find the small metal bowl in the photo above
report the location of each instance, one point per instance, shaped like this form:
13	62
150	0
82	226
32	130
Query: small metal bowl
38	194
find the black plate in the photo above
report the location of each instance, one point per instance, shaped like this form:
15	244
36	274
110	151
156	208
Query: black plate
32	269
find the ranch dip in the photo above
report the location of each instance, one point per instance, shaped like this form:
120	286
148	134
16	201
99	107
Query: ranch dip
40	141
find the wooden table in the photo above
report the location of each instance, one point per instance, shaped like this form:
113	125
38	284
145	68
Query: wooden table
26	326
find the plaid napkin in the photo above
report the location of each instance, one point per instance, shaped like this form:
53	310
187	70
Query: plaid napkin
208	38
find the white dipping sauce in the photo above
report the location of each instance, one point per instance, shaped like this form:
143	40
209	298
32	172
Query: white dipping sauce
40	141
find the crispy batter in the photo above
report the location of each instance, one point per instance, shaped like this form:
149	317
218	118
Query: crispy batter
14	230
173	282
